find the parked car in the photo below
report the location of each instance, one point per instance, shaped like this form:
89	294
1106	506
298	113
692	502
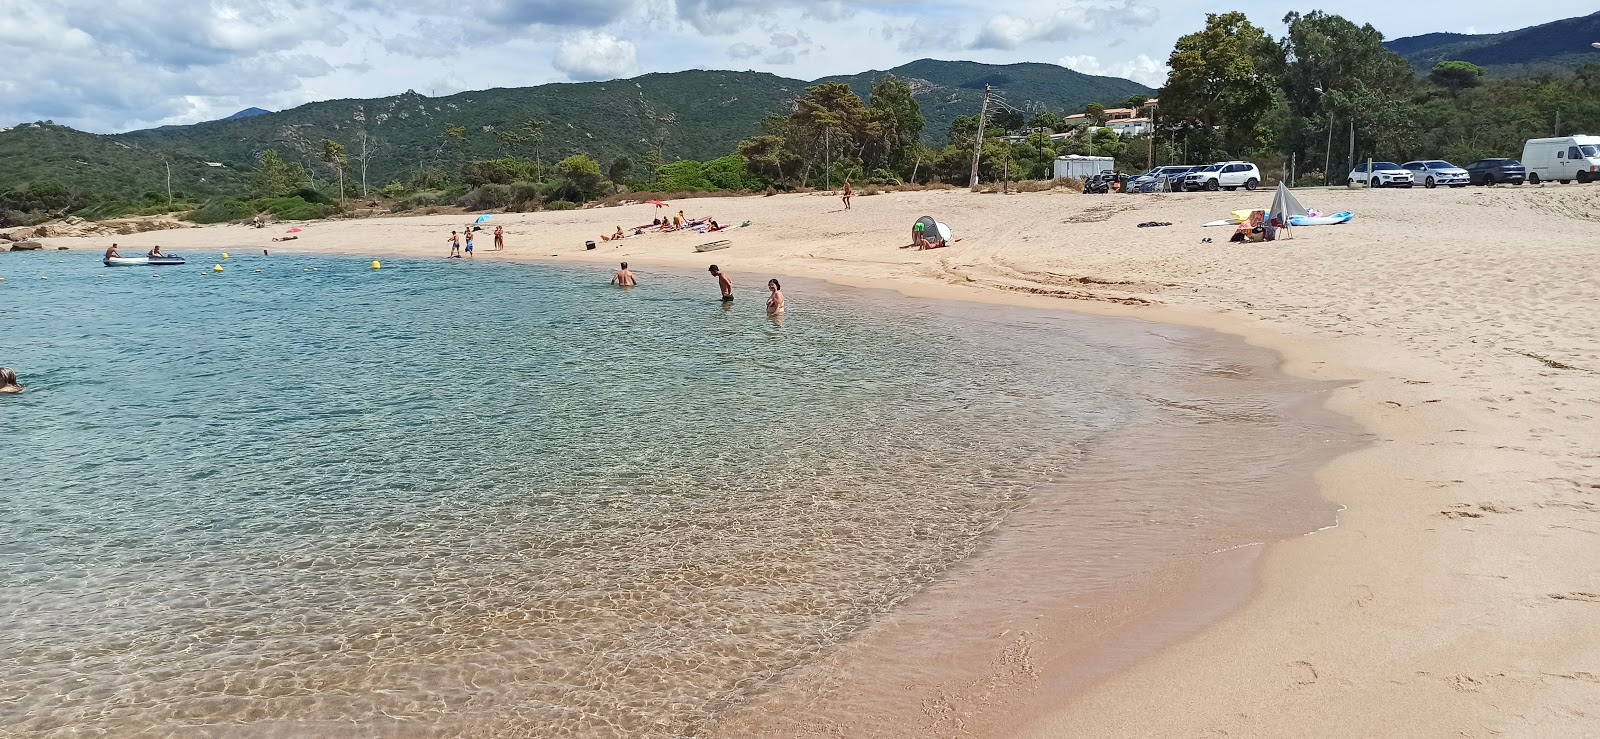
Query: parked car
1563	159
1176	179
1224	176
1384	174
1433	172
1495	171
1156	179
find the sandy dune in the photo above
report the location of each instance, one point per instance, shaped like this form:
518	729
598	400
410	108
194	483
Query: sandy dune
1461	594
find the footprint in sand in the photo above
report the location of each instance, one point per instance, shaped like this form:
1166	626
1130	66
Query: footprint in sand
1577	596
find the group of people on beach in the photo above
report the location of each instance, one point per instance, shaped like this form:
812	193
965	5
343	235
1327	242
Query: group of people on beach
665	224
455	241
624	278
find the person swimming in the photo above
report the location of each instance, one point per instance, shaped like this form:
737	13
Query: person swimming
624	277
8	382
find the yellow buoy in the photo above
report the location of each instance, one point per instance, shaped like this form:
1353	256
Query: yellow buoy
376	265
217	268
224	255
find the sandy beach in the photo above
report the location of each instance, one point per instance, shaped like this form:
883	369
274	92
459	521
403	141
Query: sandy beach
1459	594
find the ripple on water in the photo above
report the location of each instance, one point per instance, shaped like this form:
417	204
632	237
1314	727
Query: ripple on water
487	500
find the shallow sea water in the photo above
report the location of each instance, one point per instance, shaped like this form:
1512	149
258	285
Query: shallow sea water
306	498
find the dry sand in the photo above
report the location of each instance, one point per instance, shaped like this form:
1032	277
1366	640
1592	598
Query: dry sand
1460	596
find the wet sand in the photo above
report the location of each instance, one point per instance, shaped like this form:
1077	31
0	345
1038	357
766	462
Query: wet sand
1456	597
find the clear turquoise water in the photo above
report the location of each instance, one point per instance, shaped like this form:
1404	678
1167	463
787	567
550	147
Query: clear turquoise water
304	498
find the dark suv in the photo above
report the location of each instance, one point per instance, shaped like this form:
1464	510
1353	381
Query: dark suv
1496	171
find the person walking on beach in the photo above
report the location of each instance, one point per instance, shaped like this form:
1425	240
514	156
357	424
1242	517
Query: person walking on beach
469	244
455	246
775	301
624	277
499	239
848	191
723	283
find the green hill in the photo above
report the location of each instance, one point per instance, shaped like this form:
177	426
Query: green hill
1557	46
90	168
946	89
698	115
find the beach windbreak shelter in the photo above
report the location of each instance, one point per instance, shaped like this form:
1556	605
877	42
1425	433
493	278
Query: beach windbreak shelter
926	226
1284	206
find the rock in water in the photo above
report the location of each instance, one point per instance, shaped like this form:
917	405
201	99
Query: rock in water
27	246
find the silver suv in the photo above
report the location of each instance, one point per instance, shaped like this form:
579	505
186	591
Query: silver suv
1224	176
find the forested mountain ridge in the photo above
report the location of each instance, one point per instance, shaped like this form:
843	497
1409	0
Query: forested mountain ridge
1560	45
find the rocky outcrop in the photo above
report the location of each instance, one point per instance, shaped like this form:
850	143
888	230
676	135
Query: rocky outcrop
27	246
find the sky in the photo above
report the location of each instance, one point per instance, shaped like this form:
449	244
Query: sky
116	65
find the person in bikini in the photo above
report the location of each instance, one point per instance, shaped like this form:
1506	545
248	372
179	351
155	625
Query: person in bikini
775	301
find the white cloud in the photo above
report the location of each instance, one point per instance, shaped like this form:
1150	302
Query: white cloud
1141	69
1071	20
590	55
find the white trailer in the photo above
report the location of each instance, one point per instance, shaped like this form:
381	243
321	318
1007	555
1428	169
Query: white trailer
1081	167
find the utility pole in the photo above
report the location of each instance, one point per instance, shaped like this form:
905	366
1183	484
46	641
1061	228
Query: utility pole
169	182
983	120
1151	156
1353	144
1558	124
1327	156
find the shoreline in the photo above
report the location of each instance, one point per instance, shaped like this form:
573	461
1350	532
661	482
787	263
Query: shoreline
1437	507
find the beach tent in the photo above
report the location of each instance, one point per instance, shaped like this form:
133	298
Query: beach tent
931	230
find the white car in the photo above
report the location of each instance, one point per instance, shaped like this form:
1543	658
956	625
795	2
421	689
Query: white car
1224	176
1384	174
1434	172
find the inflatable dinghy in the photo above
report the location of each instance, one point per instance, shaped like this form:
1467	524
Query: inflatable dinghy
143	261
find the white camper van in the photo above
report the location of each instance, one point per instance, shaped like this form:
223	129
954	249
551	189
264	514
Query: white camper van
1562	159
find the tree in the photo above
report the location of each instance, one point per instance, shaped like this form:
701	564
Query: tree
1008	120
534	136
1046	119
1456	76
581	178
275	179
333	155
1137	101
900	122
1222	86
1096	113
621	170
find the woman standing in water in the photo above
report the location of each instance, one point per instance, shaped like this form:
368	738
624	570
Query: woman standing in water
775	302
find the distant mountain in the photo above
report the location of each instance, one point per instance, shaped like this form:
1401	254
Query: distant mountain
1561	45
948	89
247	113
682	115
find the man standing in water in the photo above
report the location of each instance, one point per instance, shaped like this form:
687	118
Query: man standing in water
723	283
624	277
